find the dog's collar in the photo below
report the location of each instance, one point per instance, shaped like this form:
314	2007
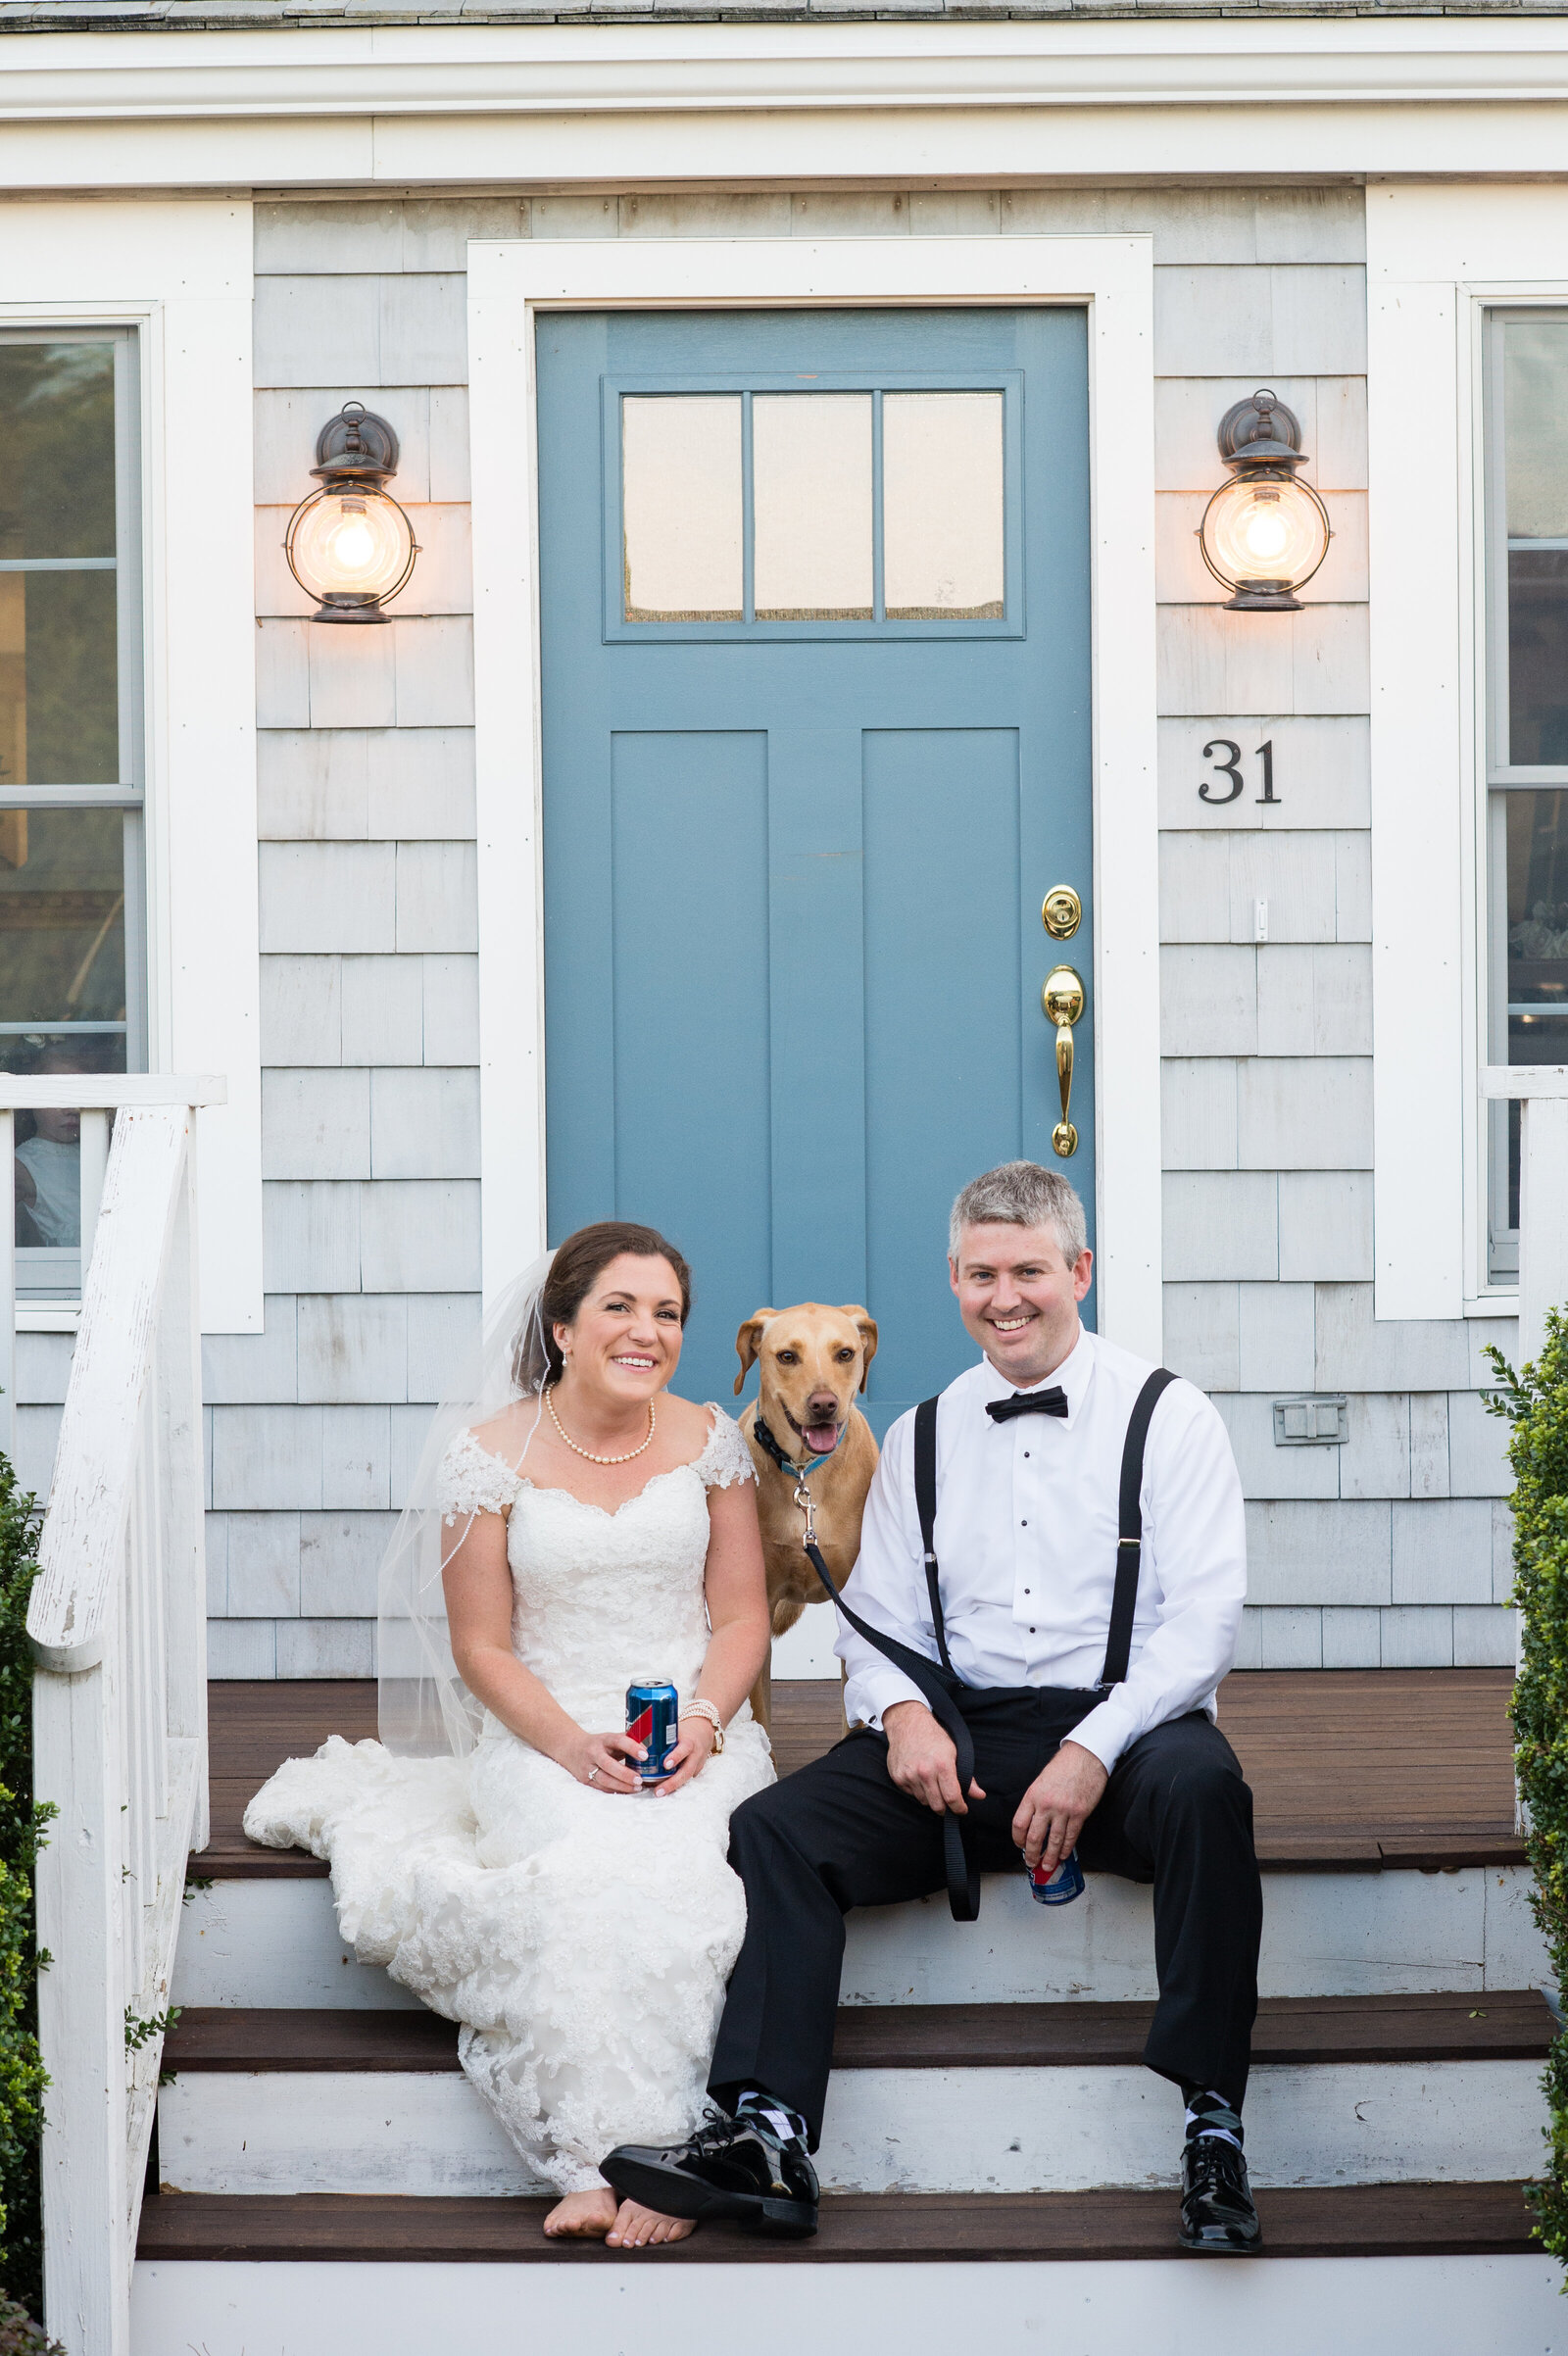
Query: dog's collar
786	1464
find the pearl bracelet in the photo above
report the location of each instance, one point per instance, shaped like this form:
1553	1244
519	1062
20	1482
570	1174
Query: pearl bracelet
702	1708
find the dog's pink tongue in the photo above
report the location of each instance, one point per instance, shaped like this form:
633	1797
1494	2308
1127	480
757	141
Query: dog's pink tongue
822	1438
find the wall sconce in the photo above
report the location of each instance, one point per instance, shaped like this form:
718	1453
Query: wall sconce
349	545
1264	534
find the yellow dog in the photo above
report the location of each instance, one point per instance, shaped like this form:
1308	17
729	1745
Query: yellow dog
812	1361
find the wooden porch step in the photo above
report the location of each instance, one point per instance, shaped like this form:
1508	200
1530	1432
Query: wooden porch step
1507	2025
1369	1768
1395	2221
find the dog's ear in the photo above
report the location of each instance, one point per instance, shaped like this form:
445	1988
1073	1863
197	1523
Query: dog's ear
867	1331
748	1341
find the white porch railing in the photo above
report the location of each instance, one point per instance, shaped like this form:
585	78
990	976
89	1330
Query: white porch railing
1542	1090
118	1627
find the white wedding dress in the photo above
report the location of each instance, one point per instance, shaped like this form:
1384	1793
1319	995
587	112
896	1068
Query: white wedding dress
582	1939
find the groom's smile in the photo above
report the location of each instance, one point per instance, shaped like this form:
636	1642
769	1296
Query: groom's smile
1018	1295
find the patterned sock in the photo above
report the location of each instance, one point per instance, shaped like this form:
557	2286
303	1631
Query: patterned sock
1209	2113
786	2126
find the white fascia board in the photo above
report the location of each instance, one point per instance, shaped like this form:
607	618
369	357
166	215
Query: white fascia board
437	69
1113	276
181	274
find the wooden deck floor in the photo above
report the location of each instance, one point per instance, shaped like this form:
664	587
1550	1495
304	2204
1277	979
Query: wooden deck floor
1348	1767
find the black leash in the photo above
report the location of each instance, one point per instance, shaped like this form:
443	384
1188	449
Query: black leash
964	1880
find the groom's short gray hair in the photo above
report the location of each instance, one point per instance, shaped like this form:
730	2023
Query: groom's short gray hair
1020	1194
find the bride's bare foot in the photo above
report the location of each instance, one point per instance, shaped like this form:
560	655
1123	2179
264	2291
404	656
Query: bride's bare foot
588	2216
637	2228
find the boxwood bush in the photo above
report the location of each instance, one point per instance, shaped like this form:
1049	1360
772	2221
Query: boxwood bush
1536	1402
21	1831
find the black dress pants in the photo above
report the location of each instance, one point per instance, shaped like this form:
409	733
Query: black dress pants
840	1833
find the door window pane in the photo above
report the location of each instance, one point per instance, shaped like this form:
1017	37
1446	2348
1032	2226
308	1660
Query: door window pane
681	506
941	507
812	506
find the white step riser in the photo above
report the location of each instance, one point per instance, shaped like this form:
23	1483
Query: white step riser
275	1944
1272	2307
886	2130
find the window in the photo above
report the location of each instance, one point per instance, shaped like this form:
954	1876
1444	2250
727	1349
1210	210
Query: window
71	994
780	512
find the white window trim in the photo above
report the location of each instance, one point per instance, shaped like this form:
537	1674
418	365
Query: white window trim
1114	276
1439	256
181	274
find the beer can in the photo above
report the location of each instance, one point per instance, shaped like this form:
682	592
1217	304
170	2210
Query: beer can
652	1713
1060	1887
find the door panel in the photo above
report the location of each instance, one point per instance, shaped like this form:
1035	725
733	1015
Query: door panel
944	1030
794	863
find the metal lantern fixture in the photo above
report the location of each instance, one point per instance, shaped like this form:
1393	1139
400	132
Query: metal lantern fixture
1264	533
350	545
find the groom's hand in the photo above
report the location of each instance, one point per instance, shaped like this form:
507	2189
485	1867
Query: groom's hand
922	1759
1058	1805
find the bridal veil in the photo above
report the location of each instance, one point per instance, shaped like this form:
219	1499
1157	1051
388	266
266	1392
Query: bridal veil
425	1709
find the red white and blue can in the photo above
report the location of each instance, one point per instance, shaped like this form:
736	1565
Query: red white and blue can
1060	1887
652	1718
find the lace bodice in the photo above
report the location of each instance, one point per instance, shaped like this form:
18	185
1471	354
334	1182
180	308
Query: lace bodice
599	1597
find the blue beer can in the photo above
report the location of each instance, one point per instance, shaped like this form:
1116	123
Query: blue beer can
1060	1887
653	1716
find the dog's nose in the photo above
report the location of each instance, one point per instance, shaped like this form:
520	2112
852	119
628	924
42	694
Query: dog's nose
822	1405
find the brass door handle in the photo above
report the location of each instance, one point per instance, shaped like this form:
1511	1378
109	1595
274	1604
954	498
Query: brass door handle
1061	999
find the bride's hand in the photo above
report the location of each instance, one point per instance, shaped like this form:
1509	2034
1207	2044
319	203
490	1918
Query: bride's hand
689	1756
606	1763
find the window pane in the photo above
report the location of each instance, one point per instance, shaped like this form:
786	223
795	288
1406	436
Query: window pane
681	506
1535	466
57	450
1537	963
811	472
62	922
941	507
59	679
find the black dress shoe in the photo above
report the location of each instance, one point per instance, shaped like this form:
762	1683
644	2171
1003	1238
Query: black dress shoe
1218	2218
729	2168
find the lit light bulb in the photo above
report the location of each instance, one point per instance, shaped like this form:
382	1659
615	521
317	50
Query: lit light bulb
353	545
1264	537
1266	533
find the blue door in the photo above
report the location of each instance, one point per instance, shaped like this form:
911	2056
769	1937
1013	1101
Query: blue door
816	744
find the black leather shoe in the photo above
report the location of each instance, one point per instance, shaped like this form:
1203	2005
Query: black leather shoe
729	2168
1218	2218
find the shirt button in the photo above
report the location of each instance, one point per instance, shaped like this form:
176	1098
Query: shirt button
1028	1591
1023	1525
1031	1631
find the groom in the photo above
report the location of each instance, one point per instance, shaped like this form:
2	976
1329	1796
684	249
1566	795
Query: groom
1091	1722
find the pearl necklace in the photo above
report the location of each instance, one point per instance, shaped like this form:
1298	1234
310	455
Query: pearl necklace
549	1403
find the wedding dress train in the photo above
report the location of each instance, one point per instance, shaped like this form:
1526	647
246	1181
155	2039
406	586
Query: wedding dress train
582	1939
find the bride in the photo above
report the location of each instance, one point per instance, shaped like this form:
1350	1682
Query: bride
574	1528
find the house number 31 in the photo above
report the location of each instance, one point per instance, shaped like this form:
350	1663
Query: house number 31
1231	767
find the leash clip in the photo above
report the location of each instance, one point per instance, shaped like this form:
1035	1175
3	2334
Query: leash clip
803	1498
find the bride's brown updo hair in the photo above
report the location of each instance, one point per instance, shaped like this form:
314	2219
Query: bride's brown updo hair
584	1257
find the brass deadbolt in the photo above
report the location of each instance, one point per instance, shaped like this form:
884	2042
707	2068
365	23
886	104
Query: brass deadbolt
1061	912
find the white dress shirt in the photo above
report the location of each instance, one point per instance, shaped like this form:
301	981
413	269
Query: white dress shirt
1026	1532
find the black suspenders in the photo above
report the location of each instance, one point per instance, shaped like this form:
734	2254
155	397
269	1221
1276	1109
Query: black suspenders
1130	1532
963	1882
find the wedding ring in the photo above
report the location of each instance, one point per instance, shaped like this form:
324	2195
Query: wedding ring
592	1772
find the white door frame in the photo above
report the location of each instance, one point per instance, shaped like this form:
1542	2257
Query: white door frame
508	282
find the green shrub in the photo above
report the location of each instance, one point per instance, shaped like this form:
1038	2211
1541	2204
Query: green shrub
22	2074
1536	1402
19	2335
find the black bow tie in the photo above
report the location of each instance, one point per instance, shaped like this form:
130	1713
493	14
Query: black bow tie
1028	1402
